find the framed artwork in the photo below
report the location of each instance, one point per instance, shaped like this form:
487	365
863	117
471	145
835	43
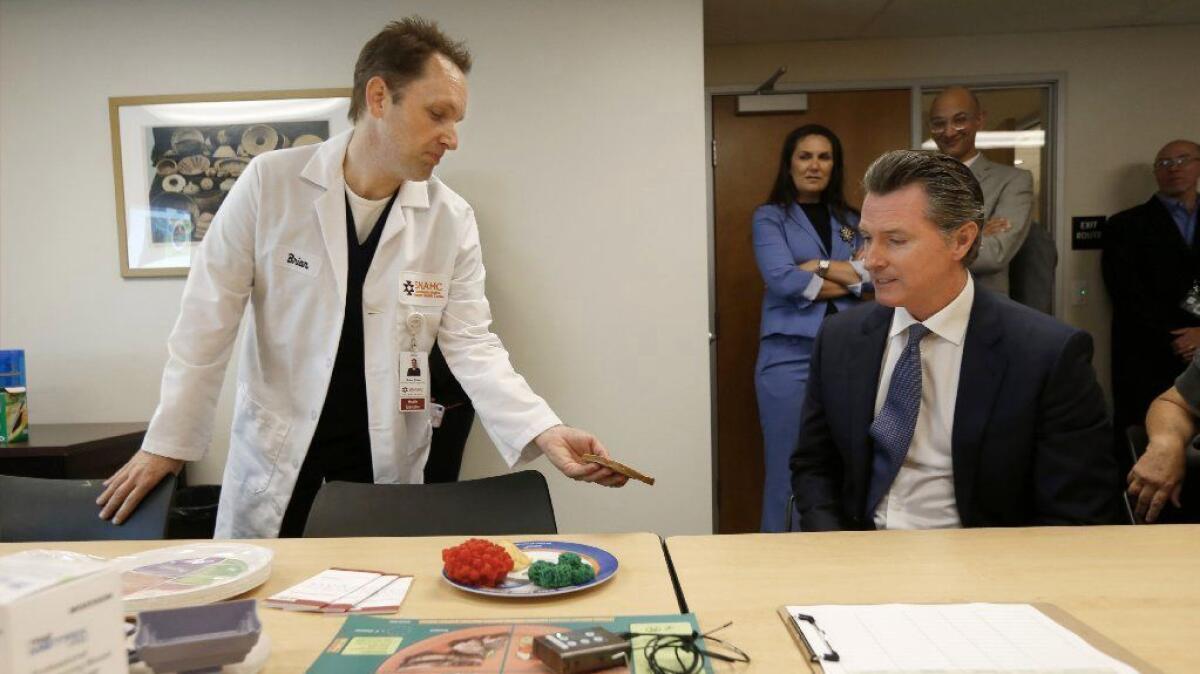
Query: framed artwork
175	158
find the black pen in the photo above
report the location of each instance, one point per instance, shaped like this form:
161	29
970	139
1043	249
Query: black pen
830	655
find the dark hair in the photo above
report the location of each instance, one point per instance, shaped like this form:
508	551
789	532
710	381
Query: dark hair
784	193
954	195
399	54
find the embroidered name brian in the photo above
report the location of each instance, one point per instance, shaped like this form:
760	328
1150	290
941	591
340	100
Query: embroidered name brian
298	261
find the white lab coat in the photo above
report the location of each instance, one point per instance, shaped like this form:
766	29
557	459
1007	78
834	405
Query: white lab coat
279	241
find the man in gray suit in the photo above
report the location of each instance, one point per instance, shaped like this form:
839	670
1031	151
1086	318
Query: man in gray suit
954	119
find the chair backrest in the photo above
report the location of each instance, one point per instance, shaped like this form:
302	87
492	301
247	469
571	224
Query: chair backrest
518	503
36	509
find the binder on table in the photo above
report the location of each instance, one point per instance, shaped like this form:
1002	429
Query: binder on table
977	637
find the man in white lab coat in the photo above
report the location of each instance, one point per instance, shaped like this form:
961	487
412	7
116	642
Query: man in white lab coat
354	259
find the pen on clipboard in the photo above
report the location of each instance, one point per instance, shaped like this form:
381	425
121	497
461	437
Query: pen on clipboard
828	654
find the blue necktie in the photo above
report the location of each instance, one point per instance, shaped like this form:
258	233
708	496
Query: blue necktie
893	429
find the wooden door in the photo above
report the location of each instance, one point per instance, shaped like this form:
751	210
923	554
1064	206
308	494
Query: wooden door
747	147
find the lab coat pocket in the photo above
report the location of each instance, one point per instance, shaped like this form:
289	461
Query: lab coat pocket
257	437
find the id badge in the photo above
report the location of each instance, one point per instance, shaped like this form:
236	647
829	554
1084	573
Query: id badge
414	381
1191	303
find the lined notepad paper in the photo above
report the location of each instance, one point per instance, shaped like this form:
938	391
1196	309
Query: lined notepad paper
925	638
344	591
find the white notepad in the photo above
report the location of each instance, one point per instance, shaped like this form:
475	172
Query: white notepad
976	638
321	590
344	591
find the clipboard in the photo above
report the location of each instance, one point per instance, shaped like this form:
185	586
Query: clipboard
1055	613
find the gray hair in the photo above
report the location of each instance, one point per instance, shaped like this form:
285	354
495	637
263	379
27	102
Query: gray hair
955	197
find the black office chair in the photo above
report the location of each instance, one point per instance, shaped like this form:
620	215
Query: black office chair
791	512
518	503
35	509
1190	512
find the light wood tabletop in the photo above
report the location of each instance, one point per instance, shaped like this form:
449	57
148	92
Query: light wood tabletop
642	584
1137	586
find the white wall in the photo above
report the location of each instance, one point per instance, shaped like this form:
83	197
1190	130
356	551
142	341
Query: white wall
583	154
1128	92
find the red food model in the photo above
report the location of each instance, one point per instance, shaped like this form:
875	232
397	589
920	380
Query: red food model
477	562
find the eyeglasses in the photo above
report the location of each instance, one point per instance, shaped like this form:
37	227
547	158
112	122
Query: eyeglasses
958	123
1172	162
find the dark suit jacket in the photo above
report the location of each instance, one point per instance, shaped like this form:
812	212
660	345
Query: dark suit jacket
1031	271
1148	270
1031	442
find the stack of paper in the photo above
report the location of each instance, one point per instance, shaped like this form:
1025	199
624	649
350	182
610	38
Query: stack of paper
345	591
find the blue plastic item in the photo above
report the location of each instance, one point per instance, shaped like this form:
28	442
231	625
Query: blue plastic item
12	367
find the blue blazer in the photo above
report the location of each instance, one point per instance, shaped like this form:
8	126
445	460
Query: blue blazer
782	240
1031	442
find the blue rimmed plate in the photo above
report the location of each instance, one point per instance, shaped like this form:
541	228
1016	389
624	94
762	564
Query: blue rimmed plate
517	584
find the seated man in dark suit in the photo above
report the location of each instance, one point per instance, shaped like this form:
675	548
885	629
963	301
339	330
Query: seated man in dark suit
946	404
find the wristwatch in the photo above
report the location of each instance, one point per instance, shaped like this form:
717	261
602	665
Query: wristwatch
822	268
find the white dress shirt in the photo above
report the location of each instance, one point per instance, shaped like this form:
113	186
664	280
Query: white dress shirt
922	495
366	212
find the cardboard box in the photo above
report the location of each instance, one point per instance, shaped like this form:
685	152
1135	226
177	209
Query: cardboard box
60	612
14	415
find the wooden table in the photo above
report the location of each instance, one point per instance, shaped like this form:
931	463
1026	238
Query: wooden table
641	586
1138	586
72	451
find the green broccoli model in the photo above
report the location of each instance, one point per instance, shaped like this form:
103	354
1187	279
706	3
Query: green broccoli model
570	570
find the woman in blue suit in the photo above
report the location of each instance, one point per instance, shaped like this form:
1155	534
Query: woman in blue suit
804	239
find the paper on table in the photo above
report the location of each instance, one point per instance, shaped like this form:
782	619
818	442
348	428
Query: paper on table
901	638
321	590
387	599
347	601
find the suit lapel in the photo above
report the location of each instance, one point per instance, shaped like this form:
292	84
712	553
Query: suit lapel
324	170
842	249
806	226
863	363
979	380
1165	225
982	168
412	195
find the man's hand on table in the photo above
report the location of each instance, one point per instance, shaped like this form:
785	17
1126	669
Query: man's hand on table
129	485
564	445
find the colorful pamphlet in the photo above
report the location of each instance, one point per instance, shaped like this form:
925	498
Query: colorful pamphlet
369	645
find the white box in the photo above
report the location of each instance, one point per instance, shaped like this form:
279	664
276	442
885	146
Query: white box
60	613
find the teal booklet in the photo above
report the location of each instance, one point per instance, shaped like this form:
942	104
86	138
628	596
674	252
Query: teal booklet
369	645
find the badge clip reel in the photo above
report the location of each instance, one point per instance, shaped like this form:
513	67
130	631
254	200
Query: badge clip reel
1191	302
414	370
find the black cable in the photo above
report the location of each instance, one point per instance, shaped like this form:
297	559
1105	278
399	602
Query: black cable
682	653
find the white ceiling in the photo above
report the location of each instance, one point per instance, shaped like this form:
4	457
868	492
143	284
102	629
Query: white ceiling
754	21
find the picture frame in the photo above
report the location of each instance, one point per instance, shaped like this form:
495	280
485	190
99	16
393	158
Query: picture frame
175	157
